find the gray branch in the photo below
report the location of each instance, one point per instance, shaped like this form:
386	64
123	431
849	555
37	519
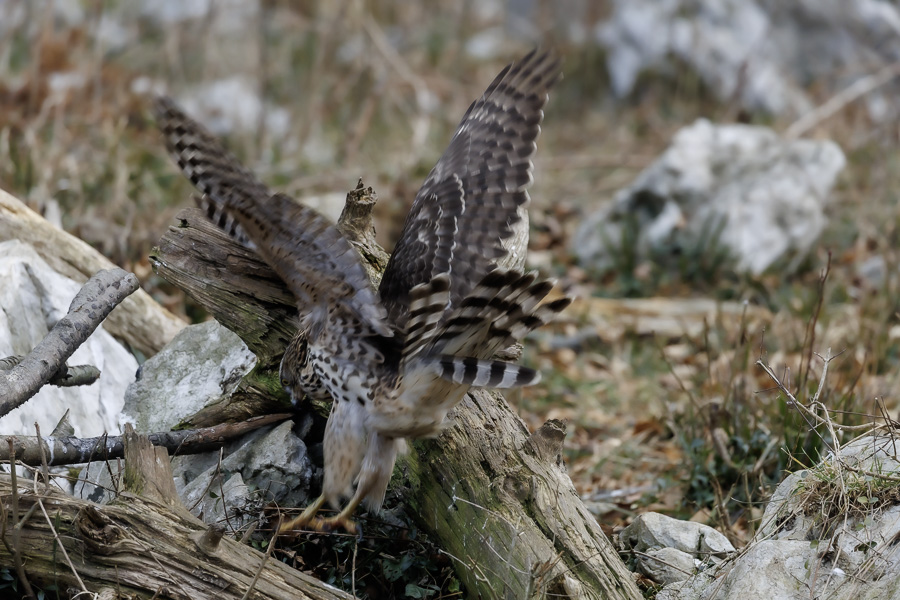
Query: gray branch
93	303
66	376
70	450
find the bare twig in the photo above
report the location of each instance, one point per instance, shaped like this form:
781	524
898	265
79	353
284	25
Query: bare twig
854	91
16	548
66	376
40	503
72	450
810	336
262	563
96	299
45	469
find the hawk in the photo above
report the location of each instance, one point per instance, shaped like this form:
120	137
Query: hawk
395	360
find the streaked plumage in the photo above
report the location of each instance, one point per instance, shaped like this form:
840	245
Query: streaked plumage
396	360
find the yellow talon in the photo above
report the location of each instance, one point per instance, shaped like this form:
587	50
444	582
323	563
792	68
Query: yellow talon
307	517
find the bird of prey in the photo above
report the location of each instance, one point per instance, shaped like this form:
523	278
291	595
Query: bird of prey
395	360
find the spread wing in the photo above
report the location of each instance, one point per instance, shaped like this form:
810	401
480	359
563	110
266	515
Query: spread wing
316	262
470	200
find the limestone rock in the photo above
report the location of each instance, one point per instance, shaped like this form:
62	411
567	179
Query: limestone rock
33	298
759	53
737	188
807	547
202	365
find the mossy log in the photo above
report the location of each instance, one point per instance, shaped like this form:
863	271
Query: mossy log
496	498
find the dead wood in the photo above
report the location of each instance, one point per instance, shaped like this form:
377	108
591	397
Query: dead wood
69	450
144	544
140	320
91	305
66	376
494	497
243	294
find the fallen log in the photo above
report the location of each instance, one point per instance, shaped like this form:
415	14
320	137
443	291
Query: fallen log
145	544
495	498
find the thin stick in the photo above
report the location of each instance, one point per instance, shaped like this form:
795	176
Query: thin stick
262	563
16	540
49	522
353	569
45	469
61	547
857	89
67	450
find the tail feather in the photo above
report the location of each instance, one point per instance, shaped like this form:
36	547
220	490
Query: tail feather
458	346
484	373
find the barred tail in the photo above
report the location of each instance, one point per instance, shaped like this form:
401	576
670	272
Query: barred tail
484	373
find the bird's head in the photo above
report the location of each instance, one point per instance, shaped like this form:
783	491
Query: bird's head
297	374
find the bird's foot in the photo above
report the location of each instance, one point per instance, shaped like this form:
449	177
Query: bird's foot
339	522
305	520
322	525
297	523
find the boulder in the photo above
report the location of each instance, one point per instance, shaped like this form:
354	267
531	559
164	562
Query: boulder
739	189
668	550
33	298
201	366
654	530
761	54
667	565
829	531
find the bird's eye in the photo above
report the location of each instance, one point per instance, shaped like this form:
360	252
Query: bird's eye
285	382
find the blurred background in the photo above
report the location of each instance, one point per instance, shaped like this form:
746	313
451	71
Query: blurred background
703	165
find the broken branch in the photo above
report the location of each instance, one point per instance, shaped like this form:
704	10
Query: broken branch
96	299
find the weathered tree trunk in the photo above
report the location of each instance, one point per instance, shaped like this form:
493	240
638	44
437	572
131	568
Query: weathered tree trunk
144	545
495	498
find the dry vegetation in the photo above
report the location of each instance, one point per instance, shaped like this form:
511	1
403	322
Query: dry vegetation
679	420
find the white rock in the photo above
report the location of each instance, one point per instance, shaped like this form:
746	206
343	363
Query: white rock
759	52
224	16
203	364
233	105
774	570
767	195
33	298
654	530
666	565
268	465
855	559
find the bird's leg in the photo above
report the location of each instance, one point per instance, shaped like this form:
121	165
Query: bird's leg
306	518
310	522
343	519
